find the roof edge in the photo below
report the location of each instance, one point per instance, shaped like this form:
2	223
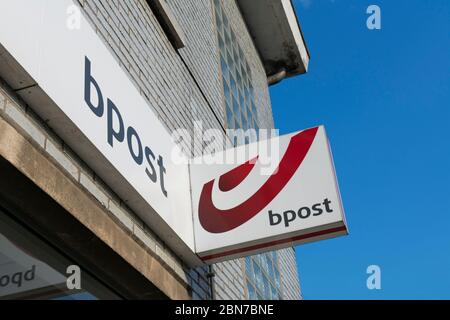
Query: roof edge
277	35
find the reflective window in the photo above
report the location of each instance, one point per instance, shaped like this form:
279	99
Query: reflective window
251	292
262	277
32	269
237	76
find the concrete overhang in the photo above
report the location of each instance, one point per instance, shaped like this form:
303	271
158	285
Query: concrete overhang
276	32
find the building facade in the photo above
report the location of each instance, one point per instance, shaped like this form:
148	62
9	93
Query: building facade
193	61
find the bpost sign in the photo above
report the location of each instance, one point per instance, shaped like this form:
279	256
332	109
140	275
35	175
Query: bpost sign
206	212
74	82
238	210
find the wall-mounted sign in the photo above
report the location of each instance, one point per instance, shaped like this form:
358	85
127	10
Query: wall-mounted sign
84	95
238	210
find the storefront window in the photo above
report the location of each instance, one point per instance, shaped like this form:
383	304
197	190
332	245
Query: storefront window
32	269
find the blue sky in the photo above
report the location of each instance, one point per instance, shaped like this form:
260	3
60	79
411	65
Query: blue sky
384	97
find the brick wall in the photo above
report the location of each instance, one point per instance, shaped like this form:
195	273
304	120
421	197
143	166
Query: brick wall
290	285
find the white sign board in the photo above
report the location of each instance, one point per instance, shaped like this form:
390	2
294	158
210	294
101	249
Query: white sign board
240	211
100	114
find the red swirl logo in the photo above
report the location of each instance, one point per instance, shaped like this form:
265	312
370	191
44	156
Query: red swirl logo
216	220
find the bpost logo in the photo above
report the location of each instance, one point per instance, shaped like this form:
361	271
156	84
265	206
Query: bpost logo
117	130
240	211
216	220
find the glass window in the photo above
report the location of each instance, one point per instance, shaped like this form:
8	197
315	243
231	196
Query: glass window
274	293
267	293
258	259
237	125
233	86
264	260
248	97
251	292
229	61
236	73
253	108
225	70
226	26
233	38
217	5
259	277
245	127
236	56
274	255
249	116
241	55
227	93
277	278
266	284
241	113
248	266
249	71
218	9
230	115
239	79
221	45
236	108
271	272
242	102
227	41
32	269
